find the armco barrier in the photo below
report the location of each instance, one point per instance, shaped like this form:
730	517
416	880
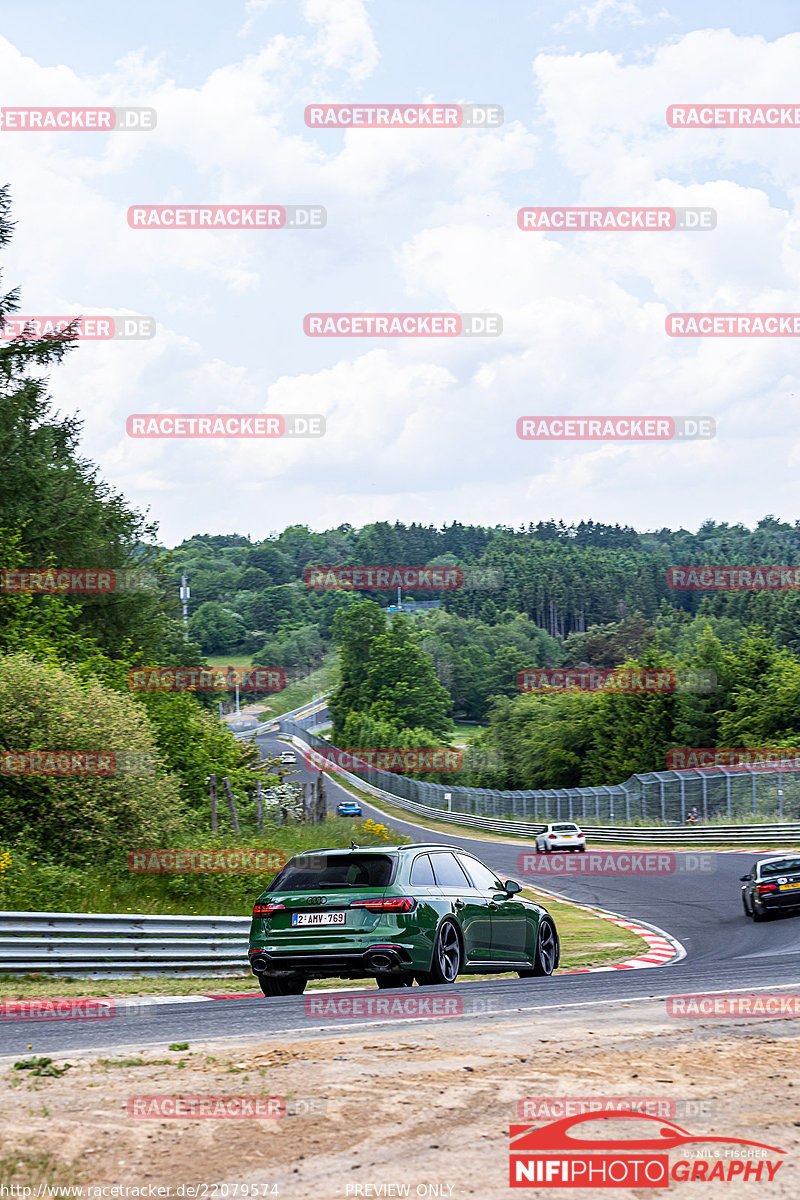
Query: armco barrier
744	797
298	715
746	835
110	944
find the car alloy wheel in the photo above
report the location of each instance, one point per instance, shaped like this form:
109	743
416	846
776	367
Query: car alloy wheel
276	986
446	961
544	960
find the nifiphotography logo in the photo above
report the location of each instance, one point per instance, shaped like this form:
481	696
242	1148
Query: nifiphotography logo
631	1150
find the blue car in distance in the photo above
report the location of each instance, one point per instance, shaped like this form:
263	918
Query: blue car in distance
348	808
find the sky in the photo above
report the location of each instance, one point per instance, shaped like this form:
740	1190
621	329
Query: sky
417	221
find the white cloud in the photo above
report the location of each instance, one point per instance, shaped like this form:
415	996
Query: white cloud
591	15
422	220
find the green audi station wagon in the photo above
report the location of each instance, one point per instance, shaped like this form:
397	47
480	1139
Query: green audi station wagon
421	912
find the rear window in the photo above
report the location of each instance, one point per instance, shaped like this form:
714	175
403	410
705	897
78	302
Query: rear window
320	872
565	828
786	866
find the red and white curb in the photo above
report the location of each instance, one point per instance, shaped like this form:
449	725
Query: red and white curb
662	947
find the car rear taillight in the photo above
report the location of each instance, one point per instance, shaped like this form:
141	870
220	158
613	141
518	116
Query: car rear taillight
394	904
264	910
763	888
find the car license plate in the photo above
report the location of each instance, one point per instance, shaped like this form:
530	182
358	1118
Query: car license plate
788	887
319	918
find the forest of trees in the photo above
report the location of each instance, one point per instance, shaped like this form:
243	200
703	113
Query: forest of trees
561	595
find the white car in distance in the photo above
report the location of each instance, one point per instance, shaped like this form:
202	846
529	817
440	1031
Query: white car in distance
562	835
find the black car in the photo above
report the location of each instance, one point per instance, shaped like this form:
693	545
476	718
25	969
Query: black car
773	883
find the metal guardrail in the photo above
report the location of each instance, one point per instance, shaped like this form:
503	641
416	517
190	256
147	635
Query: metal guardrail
753	796
115	945
297	714
750	835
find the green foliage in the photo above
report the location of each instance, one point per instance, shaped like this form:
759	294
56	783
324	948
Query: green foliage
217	630
298	652
194	745
386	676
48	708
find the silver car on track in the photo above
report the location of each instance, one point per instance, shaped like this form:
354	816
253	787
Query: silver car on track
560	835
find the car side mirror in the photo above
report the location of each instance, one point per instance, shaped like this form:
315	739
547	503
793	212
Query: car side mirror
511	887
744	878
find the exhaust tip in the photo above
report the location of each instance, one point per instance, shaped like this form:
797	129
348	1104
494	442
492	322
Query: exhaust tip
382	960
259	963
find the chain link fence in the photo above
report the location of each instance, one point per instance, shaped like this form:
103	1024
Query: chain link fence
722	794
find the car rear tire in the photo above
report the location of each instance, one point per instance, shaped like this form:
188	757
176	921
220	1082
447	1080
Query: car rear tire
763	915
446	961
546	956
272	985
394	981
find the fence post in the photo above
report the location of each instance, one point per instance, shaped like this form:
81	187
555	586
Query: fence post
780	794
728	782
754	793
259	808
226	783
212	787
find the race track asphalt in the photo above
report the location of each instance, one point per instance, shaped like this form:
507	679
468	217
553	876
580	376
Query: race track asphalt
695	899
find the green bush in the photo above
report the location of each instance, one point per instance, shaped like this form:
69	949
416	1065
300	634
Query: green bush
79	817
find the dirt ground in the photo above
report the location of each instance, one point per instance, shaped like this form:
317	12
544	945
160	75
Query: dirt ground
425	1107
